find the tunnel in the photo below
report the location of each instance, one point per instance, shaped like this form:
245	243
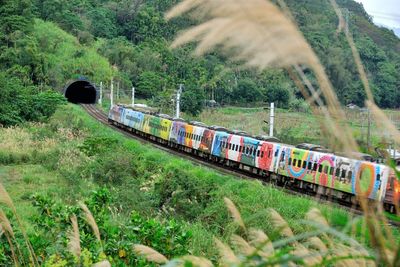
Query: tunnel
81	91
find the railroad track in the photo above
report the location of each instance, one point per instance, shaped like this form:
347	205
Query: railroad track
102	117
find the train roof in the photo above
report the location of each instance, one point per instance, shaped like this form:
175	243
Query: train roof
198	123
142	108
165	116
219	128
268	138
356	155
313	147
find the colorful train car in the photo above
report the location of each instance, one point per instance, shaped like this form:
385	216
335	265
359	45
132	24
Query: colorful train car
330	171
133	119
320	169
157	126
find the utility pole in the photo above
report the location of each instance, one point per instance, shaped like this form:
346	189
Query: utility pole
271	120
118	91
133	96
178	100
369	130
112	92
101	93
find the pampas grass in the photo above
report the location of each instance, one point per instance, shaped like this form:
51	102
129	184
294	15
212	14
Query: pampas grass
104	263
91	221
74	244
259	251
150	254
227	256
234	213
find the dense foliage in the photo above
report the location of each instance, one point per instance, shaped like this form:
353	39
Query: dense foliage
135	37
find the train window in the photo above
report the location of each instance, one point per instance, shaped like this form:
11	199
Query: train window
262	154
343	174
331	171
258	153
294	162
290	161
315	166
378	177
299	164
254	152
226	144
230	146
276	152
269	153
337	173
326	169
349	175
309	165
304	164
251	151
320	168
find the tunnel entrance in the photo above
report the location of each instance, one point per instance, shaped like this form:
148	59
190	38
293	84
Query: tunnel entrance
81	92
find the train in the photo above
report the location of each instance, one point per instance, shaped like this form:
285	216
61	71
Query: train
305	168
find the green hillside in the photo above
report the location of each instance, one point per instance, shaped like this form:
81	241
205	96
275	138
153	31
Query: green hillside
136	39
134	36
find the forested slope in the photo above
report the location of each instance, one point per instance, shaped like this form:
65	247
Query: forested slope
134	36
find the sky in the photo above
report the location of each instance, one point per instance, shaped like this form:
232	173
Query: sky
384	12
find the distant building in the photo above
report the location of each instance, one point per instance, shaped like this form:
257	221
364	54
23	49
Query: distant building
352	106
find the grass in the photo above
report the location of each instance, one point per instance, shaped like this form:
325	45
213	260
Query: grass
24	181
141	178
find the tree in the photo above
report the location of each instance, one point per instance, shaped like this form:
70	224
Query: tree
150	83
247	92
387	81
192	100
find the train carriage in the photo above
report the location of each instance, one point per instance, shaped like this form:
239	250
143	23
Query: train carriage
352	176
268	158
241	149
133	119
116	113
157	126
178	132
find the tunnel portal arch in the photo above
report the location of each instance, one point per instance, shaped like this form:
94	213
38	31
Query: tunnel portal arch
81	91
